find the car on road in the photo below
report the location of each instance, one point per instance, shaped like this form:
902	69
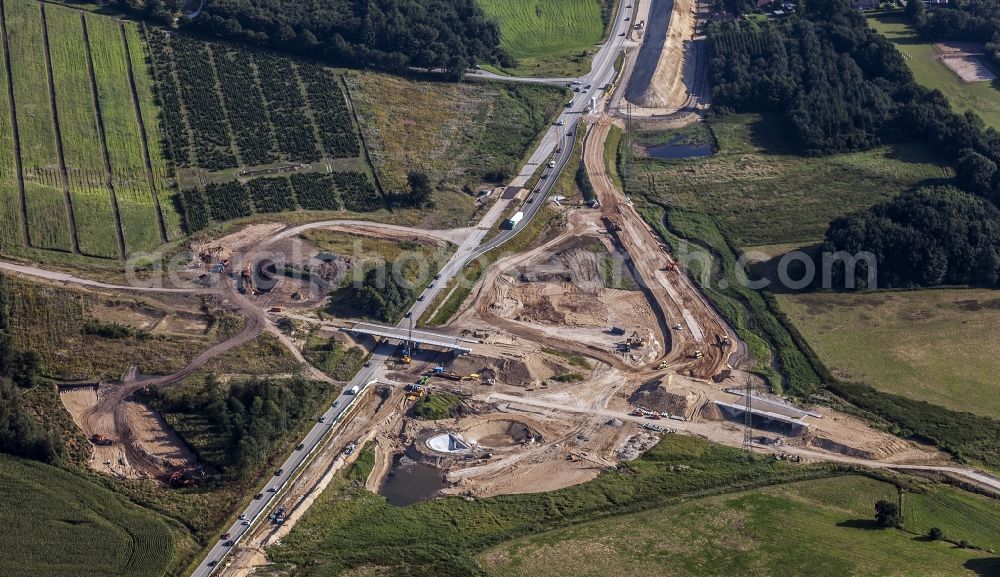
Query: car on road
437	277
246	523
272	490
322	419
368	363
569	104
224	536
336	404
213	563
300	447
228	543
552	164
587	87
420	298
627	18
258	495
560	122
279	472
622	34
243	516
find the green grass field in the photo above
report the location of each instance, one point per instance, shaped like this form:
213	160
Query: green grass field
981	97
54	524
123	139
809	529
48	224
961	516
150	112
440	538
763	193
548	37
11	235
926	345
96	227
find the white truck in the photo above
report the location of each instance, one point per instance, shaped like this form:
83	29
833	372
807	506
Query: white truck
514	220
353	390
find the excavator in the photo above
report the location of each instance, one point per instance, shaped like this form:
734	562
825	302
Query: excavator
635	341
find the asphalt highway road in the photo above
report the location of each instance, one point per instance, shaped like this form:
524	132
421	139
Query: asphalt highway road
559	137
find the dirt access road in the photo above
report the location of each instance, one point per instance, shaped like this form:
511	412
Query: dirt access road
702	329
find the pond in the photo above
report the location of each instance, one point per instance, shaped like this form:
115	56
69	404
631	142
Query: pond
411	481
677	149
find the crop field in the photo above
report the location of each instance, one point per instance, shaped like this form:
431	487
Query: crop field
927	345
983	98
55	523
547	37
48	219
82	154
99	141
811	528
763	193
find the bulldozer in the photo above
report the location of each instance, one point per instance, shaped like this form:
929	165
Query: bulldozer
101	440
697	355
635	341
662	365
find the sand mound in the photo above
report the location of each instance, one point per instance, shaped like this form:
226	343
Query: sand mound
655	397
506	370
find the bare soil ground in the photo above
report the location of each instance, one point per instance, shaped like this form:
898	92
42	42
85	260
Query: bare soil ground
153	438
966	60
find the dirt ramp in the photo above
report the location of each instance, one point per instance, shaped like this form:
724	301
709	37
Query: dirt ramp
658	78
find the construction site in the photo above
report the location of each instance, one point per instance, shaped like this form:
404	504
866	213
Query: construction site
565	360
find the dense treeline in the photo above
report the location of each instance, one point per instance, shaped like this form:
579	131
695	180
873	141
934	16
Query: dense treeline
246	419
20	433
832	77
842	87
929	237
451	35
380	296
973	21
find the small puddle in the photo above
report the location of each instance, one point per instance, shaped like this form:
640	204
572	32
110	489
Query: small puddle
410	481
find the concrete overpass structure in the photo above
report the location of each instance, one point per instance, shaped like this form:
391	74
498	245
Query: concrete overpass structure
422	337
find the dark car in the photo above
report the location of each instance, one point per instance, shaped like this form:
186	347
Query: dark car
213	563
224	536
258	495
300	447
279	472
228	543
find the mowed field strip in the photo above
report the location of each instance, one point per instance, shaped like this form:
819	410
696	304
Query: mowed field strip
983	98
930	345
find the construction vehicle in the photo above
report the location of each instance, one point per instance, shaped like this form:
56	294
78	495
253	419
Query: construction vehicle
101	440
353	390
617	331
697	355
275	310
635	341
671	267
724	340
247	284
662	365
